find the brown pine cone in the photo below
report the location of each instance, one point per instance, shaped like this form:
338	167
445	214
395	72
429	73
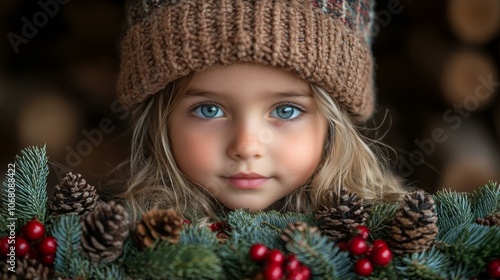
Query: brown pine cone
28	269
73	195
340	221
302	227
414	227
104	231
490	220
159	224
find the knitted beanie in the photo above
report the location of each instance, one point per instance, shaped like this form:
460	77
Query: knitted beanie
326	42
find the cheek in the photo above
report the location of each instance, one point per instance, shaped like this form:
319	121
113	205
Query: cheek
194	152
302	155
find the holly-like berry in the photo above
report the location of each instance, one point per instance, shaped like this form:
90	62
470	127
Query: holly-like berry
273	271
363	267
258	252
32	254
47	259
47	246
296	275
275	256
494	268
22	246
381	256
379	243
342	245
304	270
357	246
4	246
363	232
292	264
33	230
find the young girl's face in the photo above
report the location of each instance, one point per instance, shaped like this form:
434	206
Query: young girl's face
249	134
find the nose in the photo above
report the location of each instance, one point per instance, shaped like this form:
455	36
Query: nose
245	142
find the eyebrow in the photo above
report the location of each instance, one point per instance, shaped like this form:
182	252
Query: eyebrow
267	95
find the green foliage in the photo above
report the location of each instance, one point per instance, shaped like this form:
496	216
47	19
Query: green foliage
453	209
380	218
486	200
325	260
67	231
202	236
175	261
431	265
30	175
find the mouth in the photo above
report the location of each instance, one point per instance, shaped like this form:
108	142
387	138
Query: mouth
247	180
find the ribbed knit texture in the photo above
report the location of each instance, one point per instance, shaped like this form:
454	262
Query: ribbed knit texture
324	42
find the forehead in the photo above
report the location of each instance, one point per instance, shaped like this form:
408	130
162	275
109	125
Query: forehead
239	76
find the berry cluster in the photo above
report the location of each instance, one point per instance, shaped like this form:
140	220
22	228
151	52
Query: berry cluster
376	253
277	266
494	269
32	243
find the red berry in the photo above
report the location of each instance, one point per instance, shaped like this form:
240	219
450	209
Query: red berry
292	264
381	256
47	246
33	230
258	252
273	271
363	232
187	222
357	246
304	270
22	246
494	268
275	256
296	275
363	267
48	259
32	254
4	246
379	243
342	246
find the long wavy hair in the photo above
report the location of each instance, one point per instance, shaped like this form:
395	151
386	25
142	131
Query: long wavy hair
349	160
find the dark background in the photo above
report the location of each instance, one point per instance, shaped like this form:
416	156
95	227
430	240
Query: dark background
436	109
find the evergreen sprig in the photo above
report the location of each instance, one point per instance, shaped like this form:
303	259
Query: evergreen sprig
66	230
175	261
379	220
325	260
453	209
31	171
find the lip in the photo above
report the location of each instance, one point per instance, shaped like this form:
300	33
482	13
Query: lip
247	180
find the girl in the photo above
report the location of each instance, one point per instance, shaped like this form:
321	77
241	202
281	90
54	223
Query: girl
249	104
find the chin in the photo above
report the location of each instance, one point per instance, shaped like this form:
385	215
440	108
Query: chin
253	207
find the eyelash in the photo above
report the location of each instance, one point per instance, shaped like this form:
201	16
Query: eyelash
296	106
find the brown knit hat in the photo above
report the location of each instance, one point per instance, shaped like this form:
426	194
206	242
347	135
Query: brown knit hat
326	42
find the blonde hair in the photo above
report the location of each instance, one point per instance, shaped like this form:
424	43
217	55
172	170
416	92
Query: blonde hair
156	182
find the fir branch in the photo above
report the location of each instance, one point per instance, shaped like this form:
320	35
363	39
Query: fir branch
431	264
235	258
175	261
31	171
486	200
472	246
379	220
325	260
85	269
453	209
202	236
67	231
238	218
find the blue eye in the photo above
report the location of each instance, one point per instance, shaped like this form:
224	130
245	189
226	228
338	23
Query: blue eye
286	112
208	111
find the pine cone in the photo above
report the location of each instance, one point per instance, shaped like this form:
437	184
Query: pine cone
104	231
340	221
414	227
159	224
302	227
490	220
25	269
73	195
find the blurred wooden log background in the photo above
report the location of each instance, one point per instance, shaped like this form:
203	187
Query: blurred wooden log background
431	58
